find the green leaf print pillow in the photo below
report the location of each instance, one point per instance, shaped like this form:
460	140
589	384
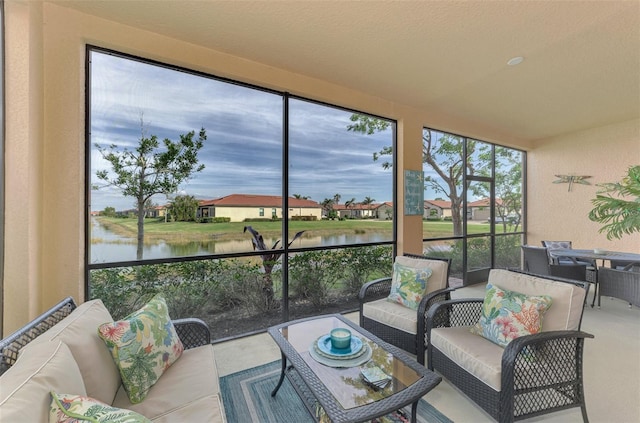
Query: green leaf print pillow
143	345
408	285
66	408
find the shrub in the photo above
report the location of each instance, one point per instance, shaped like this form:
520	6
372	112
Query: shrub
360	265
312	276
304	218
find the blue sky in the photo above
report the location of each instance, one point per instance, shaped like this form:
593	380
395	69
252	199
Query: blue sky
243	151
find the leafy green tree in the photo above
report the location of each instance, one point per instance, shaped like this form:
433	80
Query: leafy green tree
508	186
150	169
617	205
183	208
445	155
109	212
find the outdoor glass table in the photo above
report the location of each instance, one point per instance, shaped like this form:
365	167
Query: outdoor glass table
341	392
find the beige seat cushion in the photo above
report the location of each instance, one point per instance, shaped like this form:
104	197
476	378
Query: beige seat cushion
25	387
568	299
396	315
191	379
392	314
79	331
475	354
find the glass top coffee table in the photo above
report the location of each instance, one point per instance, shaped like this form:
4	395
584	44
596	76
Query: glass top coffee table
342	392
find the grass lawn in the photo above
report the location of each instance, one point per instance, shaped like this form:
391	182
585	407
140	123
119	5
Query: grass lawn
191	231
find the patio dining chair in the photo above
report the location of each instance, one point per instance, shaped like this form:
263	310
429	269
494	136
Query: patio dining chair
536	260
399	324
565	260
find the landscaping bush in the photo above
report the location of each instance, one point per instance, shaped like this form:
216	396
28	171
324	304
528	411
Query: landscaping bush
312	275
361	265
304	218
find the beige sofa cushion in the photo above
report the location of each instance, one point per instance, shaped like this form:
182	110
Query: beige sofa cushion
476	355
392	314
183	393
25	387
79	331
568	299
206	410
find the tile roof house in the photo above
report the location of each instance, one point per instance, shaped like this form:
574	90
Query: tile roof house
437	208
239	207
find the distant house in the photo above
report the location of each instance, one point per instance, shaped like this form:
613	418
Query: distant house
480	210
239	207
437	208
156	211
356	210
384	211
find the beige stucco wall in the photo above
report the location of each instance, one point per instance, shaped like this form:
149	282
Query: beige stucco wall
239	214
554	213
45	154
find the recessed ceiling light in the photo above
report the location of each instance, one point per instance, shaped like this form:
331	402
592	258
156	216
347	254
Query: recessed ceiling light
515	61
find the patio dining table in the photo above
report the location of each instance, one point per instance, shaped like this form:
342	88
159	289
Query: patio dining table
602	255
595	255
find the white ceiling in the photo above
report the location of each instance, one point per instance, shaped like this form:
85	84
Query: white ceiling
581	67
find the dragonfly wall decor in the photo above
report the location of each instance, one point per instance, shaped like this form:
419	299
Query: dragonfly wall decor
571	179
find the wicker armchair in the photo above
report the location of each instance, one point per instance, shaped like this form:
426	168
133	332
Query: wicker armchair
192	332
533	374
399	325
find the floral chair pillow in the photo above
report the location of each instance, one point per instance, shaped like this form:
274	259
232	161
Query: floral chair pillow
143	345
507	315
408	285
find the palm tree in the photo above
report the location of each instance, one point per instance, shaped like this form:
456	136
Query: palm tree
269	260
367	201
350	203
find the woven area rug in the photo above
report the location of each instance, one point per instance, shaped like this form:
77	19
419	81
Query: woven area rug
246	396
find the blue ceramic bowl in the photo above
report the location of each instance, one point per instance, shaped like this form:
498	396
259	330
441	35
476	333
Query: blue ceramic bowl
340	338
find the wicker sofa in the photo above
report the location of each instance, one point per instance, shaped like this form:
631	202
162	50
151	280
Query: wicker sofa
532	375
60	351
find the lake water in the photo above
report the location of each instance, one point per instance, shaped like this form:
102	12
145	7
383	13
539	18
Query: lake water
113	247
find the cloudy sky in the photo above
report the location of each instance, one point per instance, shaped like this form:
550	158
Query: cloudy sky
243	151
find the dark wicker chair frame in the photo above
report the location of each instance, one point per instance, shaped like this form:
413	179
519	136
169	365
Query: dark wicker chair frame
380	288
527	390
192	332
621	284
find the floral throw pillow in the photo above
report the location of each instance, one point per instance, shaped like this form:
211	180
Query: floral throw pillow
66	408
408	285
507	315
143	345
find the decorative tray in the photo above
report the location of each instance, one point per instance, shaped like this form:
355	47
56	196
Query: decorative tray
359	359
